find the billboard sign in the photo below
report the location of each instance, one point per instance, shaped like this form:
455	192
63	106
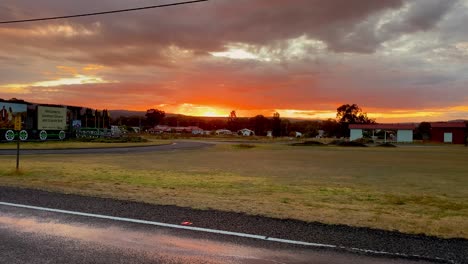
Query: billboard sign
51	118
8	111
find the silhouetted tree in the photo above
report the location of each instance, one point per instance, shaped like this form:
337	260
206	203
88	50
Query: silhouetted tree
154	117
276	125
259	124
331	128
350	114
233	123
423	131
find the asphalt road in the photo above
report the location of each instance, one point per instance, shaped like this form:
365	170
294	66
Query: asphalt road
30	236
180	145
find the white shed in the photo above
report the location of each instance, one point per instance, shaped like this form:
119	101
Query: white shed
246	132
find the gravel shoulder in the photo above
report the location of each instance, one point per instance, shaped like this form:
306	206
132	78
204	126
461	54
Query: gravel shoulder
430	248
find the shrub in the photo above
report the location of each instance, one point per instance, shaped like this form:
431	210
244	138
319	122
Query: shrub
308	143
336	142
351	144
364	140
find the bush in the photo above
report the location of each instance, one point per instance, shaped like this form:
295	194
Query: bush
308	143
336	142
351	144
364	140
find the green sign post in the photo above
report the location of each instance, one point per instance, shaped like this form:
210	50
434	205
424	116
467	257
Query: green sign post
18	129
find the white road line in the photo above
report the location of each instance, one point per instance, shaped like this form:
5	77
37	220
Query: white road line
200	229
222	232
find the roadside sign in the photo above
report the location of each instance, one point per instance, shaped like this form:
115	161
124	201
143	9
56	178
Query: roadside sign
18	122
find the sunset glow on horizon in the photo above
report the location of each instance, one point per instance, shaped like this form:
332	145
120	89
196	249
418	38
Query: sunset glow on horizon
399	60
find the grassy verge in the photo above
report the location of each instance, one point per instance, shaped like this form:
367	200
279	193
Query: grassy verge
76	144
411	189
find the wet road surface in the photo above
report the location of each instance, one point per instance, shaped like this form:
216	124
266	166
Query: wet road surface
29	236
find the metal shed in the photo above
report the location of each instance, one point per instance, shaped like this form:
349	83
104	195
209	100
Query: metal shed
449	132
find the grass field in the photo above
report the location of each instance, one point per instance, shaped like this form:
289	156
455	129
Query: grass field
412	189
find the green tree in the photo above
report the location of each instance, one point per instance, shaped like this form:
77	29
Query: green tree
154	117
350	114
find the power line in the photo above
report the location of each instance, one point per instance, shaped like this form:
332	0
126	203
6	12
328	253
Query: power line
101	13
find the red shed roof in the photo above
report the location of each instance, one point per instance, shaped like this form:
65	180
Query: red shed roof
383	126
448	124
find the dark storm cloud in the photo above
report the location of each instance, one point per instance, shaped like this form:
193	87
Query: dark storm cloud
200	27
422	15
163	55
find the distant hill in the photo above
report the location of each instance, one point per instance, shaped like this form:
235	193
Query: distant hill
129	113
126	113
459	120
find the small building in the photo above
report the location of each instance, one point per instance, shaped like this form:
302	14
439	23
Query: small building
246	132
223	132
449	132
159	129
298	134
196	130
321	134
404	131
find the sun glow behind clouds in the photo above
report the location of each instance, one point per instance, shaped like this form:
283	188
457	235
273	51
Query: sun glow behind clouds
291	49
236	53
77	79
198	110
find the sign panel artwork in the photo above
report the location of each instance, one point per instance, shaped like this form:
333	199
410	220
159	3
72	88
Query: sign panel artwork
51	118
8	112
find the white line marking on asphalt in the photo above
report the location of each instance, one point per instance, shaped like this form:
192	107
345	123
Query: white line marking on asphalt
200	229
222	232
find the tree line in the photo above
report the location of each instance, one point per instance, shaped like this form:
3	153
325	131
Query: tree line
338	127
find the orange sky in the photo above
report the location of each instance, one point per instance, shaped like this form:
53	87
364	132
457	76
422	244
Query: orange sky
398	60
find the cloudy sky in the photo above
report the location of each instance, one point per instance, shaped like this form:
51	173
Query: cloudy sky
400	60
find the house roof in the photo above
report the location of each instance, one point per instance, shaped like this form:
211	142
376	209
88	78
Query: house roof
383	126
448	124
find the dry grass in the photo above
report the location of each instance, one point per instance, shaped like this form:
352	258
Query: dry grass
77	144
411	189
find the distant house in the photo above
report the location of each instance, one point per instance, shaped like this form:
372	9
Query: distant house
449	132
298	134
321	134
269	133
196	130
246	132
223	132
159	129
